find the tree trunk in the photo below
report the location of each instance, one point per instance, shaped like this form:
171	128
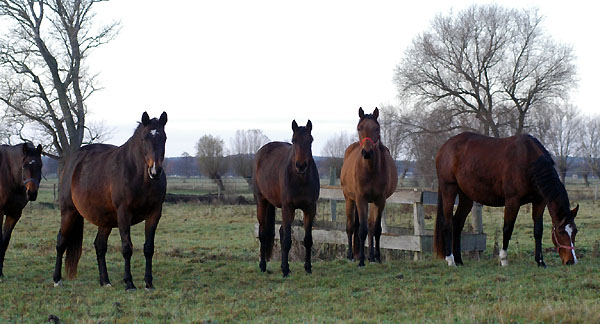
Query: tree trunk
217	178
585	176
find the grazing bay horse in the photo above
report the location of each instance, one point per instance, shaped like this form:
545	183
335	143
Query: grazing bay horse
369	176
507	172
286	176
111	187
20	175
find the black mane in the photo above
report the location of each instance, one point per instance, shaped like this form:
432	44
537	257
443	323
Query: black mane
544	176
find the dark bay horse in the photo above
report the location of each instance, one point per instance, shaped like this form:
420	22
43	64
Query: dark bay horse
368	177
286	176
111	187
507	172
20	175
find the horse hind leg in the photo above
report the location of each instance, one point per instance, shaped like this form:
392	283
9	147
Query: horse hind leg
100	243
266	231
511	209
464	207
69	239
443	227
351	223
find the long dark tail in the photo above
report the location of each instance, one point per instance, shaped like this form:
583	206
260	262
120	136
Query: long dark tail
270	231
74	239
438	231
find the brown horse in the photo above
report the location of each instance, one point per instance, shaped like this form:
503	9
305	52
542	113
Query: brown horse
507	172
111	187
286	176
369	176
20	175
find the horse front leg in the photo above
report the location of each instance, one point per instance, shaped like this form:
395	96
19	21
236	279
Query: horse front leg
150	230
537	212
309	217
124	221
100	243
377	213
511	209
363	208
9	225
285	233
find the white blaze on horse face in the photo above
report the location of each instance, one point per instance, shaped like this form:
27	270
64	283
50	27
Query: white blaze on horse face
154	132
153	170
450	260
31	162
569	231
503	258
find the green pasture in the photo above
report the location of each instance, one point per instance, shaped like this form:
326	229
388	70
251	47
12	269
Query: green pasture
206	270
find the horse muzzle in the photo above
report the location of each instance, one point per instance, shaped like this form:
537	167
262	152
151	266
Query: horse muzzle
31	189
366	154
301	167
154	172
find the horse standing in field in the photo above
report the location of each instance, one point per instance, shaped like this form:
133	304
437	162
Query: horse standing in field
286	176
368	177
507	172
111	187
20	175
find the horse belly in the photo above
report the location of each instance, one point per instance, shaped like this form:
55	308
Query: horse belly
484	193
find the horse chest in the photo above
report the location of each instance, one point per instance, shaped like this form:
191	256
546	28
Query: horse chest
15	203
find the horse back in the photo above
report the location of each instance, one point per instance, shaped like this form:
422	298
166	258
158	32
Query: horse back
486	169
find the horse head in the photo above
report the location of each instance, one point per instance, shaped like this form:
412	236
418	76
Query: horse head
368	132
301	145
31	169
153	143
563	236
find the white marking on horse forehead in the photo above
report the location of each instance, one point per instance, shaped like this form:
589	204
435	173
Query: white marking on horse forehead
32	162
154	132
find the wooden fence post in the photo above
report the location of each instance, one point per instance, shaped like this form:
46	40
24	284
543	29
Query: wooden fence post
477	219
418	224
332	178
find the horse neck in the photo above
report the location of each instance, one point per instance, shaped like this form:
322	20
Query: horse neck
131	152
11	156
554	207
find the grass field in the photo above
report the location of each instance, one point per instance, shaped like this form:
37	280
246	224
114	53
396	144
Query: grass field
206	270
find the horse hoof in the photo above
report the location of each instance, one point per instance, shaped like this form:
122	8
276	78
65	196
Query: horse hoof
130	289
308	269
504	262
450	260
58	284
361	263
107	285
542	264
149	288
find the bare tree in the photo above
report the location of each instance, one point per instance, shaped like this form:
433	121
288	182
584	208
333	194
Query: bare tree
243	147
489	62
44	81
211	159
590	144
335	147
563	133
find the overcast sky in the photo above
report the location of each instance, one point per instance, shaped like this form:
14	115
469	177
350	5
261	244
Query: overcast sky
219	66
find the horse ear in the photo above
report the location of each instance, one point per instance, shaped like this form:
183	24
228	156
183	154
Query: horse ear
163	118
39	148
361	113
574	211
145	119
309	126
294	126
376	113
25	148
